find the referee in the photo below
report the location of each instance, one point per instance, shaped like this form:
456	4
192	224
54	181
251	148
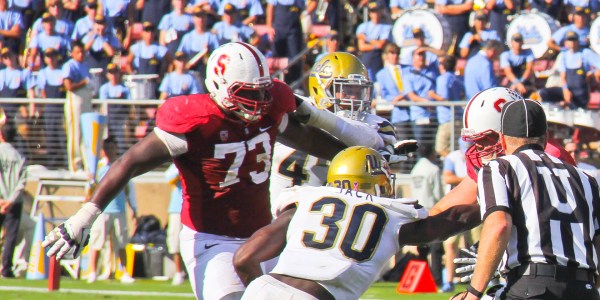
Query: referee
541	211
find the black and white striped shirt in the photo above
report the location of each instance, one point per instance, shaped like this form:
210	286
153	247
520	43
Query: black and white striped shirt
554	208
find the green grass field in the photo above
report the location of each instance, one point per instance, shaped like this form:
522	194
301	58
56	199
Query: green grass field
20	289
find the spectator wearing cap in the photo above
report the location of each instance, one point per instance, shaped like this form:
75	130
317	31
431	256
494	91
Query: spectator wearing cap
397	7
119	15
11	26
152	10
418	83
473	40
196	42
180	81
457	13
517	64
62	25
576	66
499	10
101	44
174	25
147	56
285	31
210	7
76	74
332	44
50	84
15	83
86	24
479	70
117	113
420	45
448	87
390	80
248	10
372	36
230	28
48	38
580	25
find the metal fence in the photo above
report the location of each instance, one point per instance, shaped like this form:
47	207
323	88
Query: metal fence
44	144
41	135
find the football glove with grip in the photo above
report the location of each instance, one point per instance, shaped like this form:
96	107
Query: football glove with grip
68	239
469	259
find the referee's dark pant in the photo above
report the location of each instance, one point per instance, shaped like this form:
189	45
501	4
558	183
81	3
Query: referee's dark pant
550	282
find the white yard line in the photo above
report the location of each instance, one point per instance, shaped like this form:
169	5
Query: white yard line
102	292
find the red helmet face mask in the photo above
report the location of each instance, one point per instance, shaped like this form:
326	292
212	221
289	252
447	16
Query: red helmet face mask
486	146
252	100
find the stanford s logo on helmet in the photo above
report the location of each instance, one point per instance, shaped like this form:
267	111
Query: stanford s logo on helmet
238	80
481	120
221	62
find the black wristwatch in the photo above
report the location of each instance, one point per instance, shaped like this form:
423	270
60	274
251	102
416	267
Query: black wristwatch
473	291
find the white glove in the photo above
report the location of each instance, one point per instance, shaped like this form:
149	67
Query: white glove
68	239
470	260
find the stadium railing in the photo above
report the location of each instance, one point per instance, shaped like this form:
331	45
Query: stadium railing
138	118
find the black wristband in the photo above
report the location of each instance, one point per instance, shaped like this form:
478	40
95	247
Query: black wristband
473	291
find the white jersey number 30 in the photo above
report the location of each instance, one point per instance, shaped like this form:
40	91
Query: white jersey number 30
360	238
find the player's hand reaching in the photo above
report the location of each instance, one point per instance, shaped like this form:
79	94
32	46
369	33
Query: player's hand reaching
468	260
68	239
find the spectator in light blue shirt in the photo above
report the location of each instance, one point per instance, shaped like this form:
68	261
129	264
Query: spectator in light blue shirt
517	64
248	10
418	83
112	223
179	82
117	113
372	36
174	227
11	27
473	41
575	66
230	29
173	26
479	70
63	26
581	19
448	87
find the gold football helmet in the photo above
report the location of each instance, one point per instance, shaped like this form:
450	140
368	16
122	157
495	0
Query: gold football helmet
340	79
361	169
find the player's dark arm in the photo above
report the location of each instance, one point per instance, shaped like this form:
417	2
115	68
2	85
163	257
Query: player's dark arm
311	140
144	156
265	244
441	226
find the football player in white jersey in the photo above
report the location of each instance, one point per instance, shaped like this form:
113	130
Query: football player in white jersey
338	81
334	240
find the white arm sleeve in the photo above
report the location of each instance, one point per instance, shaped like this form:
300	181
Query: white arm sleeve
176	143
351	133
